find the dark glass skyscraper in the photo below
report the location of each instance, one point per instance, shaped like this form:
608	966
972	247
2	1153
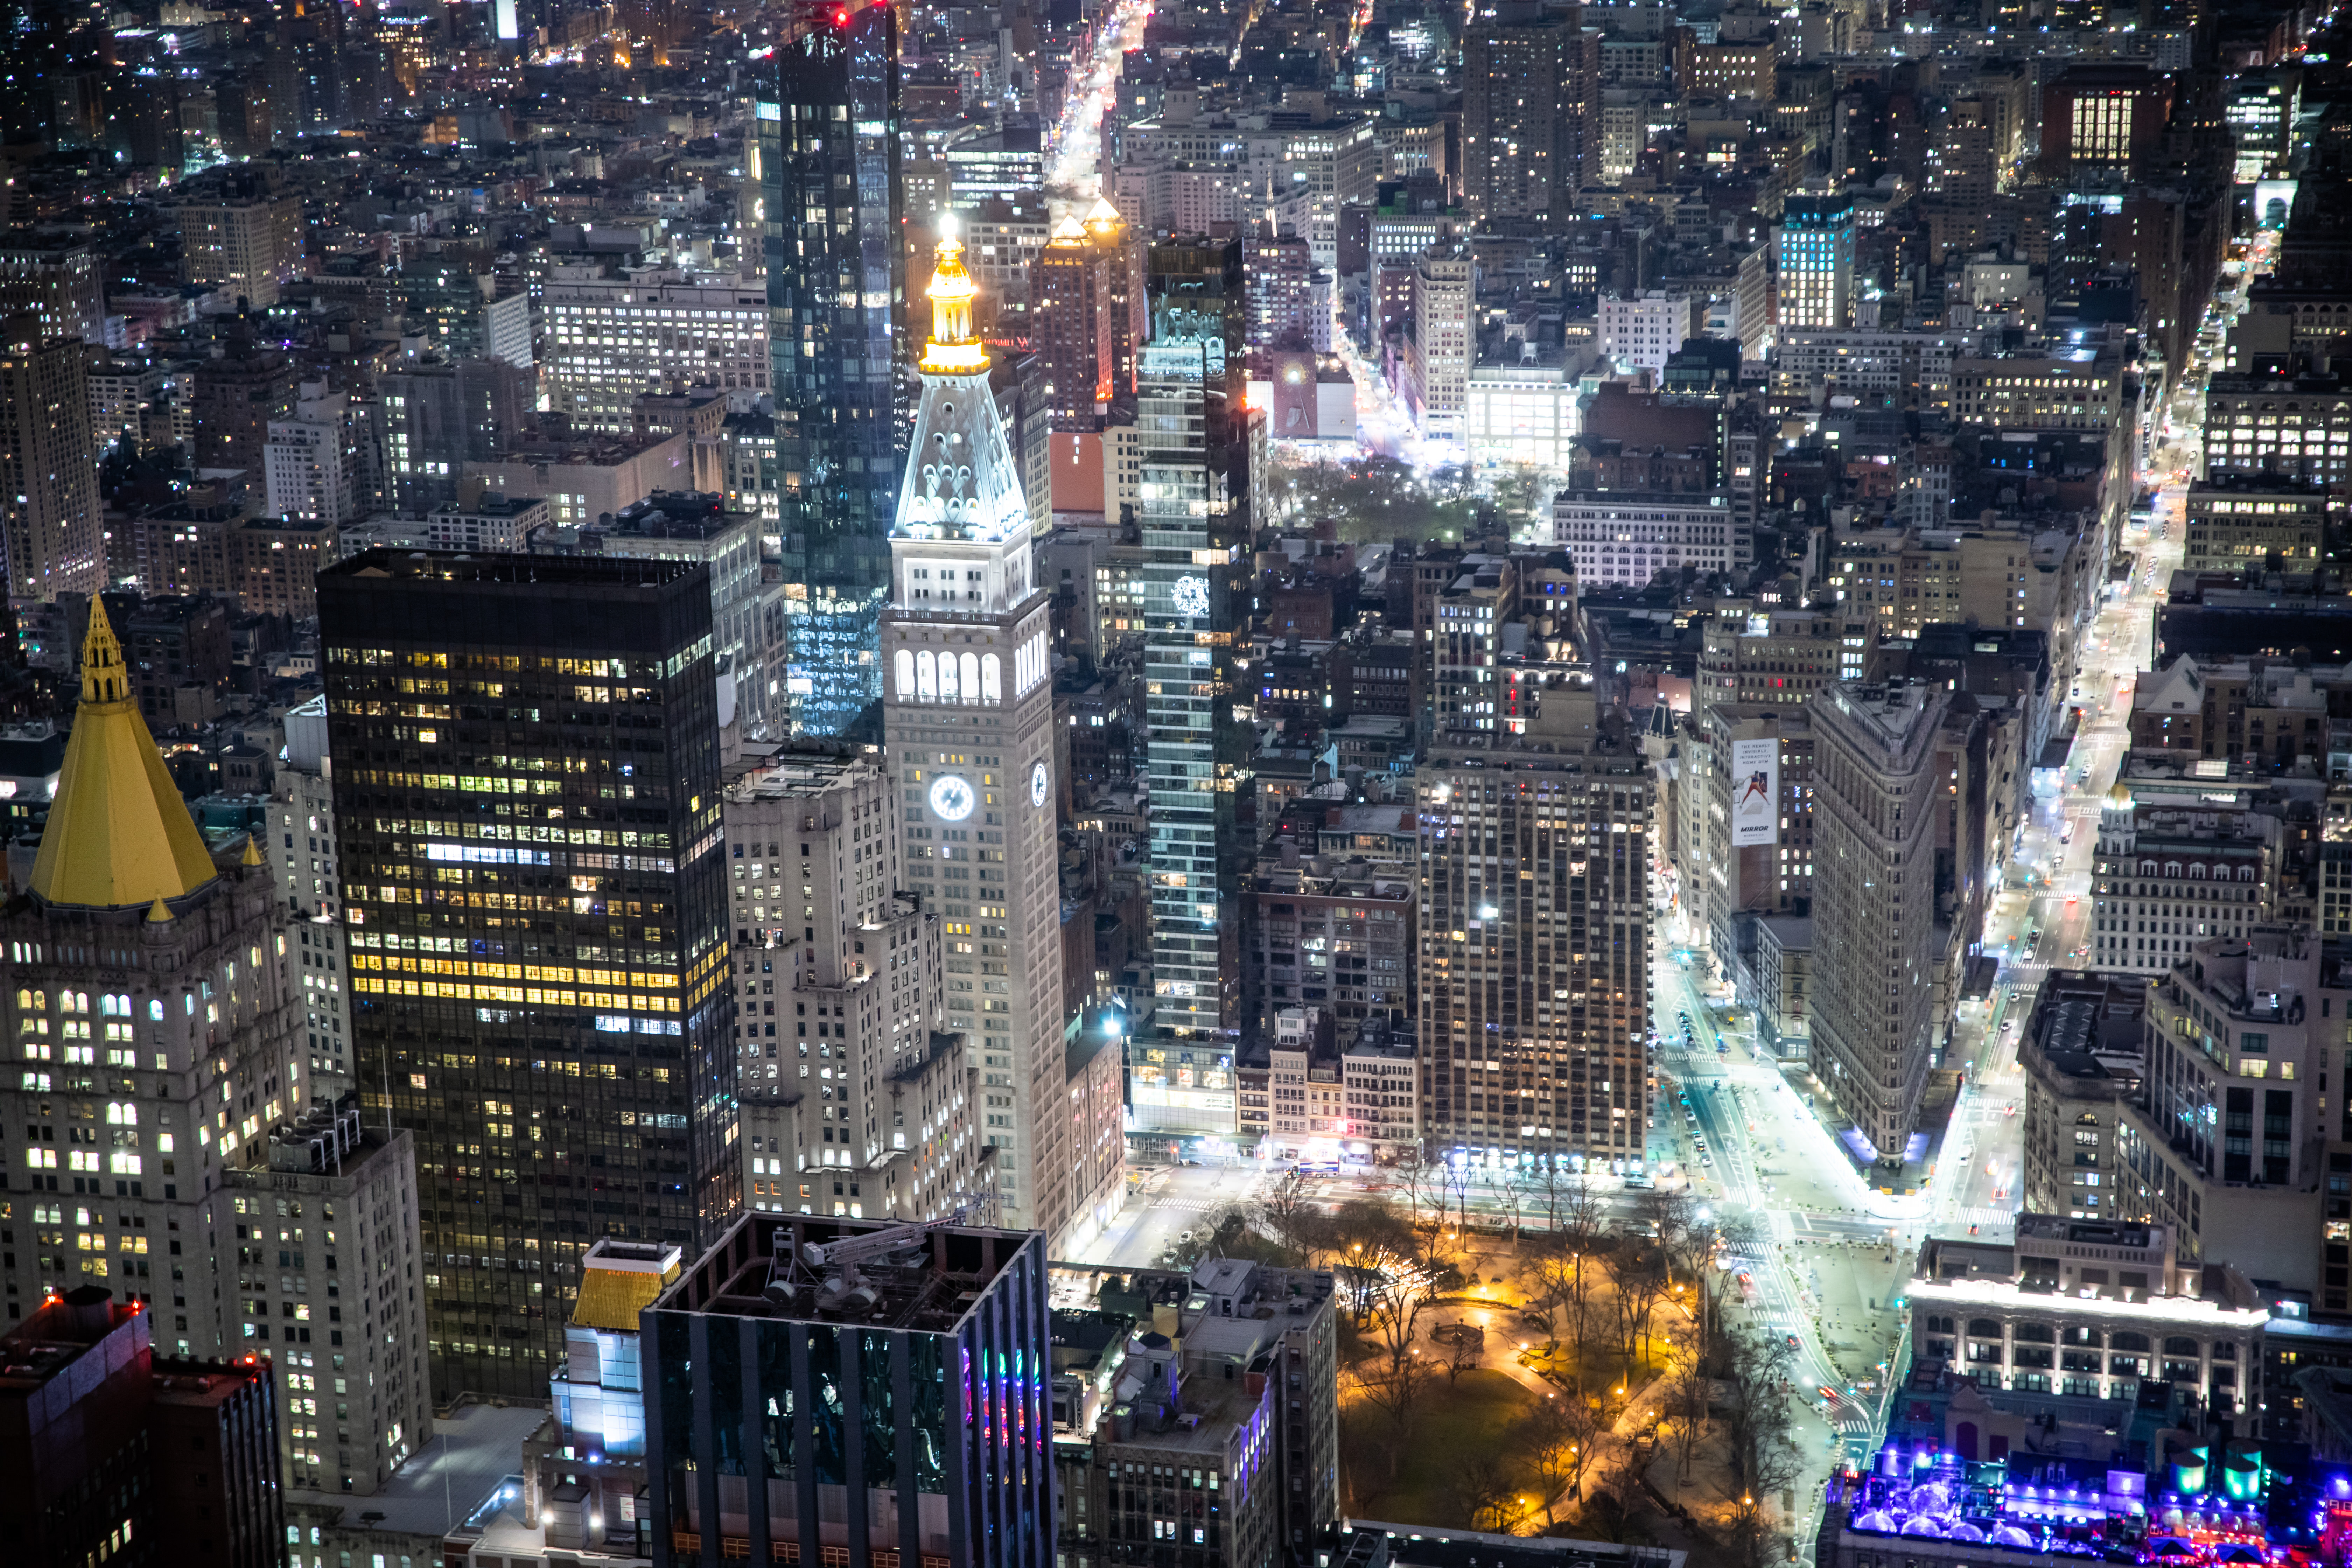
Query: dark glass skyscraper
527	813
838	1391
828	157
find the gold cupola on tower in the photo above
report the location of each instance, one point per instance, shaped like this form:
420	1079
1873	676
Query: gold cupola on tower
118	835
953	351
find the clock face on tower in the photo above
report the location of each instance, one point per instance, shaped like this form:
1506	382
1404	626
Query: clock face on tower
1192	595
951	798
1041	784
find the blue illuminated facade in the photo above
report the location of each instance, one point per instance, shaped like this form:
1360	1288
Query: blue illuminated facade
910	1428
827	149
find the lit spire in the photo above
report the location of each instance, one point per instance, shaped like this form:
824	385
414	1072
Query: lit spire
118	833
1070	231
1103	219
953	351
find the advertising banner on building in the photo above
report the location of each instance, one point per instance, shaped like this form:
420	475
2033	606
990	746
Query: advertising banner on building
1755	792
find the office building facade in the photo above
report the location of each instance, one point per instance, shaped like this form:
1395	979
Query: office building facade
539	957
1530	90
1875	786
854	1101
50	538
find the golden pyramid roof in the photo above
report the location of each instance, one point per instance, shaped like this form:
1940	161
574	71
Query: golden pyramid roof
118	836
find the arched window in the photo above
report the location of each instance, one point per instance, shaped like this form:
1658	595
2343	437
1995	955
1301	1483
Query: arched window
1984	1328
2177	1345
947	677
121	1113
155	1009
81	1001
25	999
970	664
927	676
904	667
2124	1340
992	679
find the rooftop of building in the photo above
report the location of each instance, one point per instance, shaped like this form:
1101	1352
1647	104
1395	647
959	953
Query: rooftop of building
1370	1543
2051	1227
920	1276
678	514
473	1454
2255	977
1891	713
619	1278
2311	491
799	769
60	1330
2089	1024
492	504
500	568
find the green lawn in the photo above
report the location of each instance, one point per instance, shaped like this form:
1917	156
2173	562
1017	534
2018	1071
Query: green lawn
1455	1421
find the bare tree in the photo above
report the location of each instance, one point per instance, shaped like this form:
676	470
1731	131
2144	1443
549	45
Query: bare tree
1579	1218
1761	1451
1613	1510
1672	1219
1457	1183
1639	1275
1484	1494
1513	1187
1467	1345
1687	1390
1739	1235
1559	1437
1395	1375
1426	1193
1293	1217
1366	1241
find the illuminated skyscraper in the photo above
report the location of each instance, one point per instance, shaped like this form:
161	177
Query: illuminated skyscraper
828	165
1070	322
1816	261
1194	437
1535	940
970	708
527	816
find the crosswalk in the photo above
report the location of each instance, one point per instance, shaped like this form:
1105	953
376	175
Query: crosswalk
1987	1220
1191	1205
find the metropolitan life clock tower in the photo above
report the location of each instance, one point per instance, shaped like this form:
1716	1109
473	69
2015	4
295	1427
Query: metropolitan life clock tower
968	714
